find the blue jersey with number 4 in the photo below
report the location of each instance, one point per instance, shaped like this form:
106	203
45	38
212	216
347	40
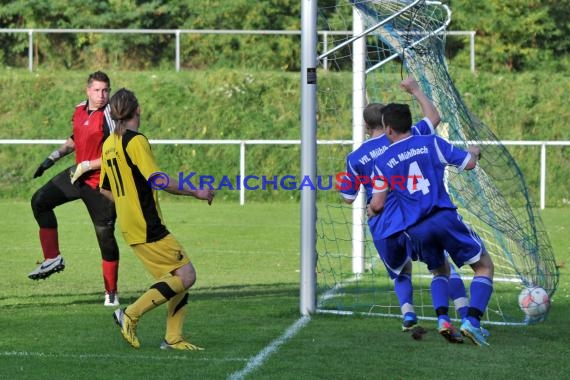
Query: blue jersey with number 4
412	170
360	162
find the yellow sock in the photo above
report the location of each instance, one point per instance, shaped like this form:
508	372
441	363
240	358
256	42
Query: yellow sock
177	307
158	294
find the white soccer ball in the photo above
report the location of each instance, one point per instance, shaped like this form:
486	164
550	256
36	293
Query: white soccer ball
534	301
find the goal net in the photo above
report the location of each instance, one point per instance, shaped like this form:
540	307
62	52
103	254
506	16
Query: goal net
370	46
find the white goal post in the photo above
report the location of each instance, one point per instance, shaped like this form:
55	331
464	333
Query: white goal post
308	299
309	62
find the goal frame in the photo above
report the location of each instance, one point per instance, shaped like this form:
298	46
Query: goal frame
309	63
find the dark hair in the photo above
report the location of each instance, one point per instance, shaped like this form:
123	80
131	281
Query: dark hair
398	117
372	115
124	106
98	76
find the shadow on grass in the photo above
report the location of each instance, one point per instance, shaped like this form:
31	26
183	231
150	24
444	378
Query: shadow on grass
200	294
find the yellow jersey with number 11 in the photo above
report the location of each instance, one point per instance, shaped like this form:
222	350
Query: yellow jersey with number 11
127	163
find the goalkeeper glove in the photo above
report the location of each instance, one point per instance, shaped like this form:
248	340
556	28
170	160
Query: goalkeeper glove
80	169
48	163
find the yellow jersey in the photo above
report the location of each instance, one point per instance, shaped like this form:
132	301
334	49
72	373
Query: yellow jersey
127	163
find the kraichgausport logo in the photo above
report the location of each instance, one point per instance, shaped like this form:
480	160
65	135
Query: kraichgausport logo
341	181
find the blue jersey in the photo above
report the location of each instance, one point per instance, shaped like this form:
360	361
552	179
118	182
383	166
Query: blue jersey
412	170
359	163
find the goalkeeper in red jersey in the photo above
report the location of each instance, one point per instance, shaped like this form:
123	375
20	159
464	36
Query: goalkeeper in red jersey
91	123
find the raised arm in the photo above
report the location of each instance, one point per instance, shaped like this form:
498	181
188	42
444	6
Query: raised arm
428	109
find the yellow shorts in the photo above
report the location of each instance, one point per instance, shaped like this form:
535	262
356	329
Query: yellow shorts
161	257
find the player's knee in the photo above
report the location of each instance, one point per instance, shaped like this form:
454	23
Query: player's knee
440	271
190	279
43	212
38	202
107	242
188	275
489	264
407	269
484	267
105	232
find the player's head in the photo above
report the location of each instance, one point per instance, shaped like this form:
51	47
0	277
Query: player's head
372	115
397	117
98	90
124	110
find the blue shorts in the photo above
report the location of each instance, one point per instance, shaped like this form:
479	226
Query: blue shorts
395	252
445	230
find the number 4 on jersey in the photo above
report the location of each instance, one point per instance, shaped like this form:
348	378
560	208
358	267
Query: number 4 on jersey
416	180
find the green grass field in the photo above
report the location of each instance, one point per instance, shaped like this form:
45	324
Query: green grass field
244	309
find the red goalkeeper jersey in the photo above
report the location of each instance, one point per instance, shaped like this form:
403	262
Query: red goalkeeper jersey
90	128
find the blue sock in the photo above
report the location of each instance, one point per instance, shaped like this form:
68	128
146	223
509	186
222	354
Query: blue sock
405	293
481	290
458	293
440	295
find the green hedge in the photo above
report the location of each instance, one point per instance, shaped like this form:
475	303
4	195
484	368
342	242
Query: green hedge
249	104
515	35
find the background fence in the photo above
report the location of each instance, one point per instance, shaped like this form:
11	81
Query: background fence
244	143
179	32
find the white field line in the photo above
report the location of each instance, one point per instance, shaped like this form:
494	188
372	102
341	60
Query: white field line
110	356
262	356
251	365
258	359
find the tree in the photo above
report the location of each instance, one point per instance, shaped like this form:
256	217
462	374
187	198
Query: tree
513	35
